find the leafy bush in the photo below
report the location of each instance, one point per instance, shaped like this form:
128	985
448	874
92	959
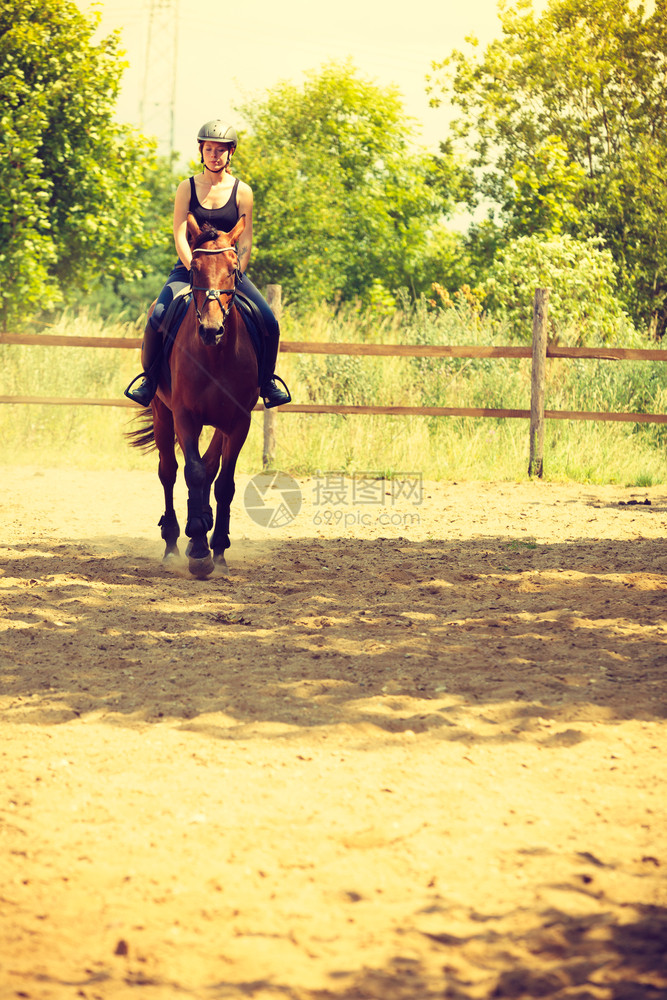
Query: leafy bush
583	307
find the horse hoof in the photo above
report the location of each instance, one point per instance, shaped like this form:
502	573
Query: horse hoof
201	568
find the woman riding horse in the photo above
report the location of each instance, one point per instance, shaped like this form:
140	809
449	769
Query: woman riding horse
213	197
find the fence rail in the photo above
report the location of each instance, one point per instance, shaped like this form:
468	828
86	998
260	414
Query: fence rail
378	350
371	350
397	411
539	352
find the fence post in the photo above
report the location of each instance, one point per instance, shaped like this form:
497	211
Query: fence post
537	381
274	299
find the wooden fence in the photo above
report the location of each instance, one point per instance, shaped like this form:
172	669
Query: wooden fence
538	352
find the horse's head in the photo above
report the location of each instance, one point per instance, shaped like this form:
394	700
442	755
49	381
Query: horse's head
215	269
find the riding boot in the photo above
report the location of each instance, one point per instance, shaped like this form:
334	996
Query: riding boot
270	391
151	356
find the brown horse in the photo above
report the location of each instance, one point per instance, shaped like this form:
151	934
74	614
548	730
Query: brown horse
212	380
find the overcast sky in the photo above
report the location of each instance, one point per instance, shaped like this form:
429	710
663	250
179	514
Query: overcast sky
226	52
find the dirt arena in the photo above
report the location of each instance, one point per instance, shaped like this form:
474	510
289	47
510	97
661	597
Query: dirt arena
405	751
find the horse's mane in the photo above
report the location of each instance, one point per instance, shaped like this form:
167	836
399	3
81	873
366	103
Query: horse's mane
206	235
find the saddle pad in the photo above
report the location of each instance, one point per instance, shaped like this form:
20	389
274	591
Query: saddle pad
173	318
256	331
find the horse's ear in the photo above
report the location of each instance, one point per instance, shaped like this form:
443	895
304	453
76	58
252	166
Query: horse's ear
193	229
237	230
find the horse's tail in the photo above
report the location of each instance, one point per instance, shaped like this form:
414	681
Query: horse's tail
143	437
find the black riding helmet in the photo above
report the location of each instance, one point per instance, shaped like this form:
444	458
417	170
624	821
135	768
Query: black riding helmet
218	131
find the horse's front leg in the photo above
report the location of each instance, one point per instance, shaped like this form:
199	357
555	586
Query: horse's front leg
200	517
163	432
224	493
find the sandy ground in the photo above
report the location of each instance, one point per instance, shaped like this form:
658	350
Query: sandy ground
406	750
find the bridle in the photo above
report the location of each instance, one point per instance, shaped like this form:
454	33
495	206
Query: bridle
214	294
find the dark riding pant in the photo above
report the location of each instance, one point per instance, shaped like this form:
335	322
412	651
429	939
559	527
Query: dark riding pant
176	282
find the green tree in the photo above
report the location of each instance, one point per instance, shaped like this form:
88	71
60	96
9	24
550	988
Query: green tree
72	181
544	192
130	288
345	207
566	118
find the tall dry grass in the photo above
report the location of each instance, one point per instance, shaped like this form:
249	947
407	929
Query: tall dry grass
438	448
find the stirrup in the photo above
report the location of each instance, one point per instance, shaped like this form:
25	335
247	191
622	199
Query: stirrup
274	396
151	387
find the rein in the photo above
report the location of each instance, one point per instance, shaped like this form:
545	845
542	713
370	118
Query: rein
213	294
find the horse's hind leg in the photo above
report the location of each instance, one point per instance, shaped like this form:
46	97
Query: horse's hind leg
163	429
200	516
211	460
224	492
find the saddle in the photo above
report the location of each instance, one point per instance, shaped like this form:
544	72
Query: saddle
175	314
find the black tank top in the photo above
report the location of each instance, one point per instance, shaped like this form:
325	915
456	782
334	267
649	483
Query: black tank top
224	219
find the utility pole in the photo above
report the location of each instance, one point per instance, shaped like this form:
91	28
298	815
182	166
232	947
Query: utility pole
158	92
